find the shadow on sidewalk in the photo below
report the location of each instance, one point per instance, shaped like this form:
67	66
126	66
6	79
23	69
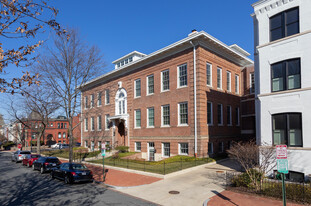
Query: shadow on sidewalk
223	197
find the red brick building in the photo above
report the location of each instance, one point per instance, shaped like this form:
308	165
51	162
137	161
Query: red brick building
148	101
56	130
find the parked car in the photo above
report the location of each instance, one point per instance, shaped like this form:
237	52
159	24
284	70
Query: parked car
29	159
63	146
45	164
18	156
55	146
72	172
78	144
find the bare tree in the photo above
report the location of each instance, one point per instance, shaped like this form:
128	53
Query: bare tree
23	19
254	158
65	69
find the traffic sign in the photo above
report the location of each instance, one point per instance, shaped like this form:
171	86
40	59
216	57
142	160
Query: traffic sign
103	146
282	165
281	151
19	146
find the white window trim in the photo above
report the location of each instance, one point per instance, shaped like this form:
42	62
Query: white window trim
92	97
230	89
135	127
85	125
250	83
230	116
101	99
135	95
163	149
162	116
238	84
85	143
98	124
147	85
222	115
238	123
106	126
212	120
220	78
106	94
178	81
179	124
212	152
222	147
136	147
85	102
162	80
179	148
148	117
211	75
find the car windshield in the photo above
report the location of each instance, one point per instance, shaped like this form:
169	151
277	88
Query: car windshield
78	167
25	152
52	160
35	156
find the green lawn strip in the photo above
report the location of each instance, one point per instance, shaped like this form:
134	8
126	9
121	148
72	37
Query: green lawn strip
65	154
172	164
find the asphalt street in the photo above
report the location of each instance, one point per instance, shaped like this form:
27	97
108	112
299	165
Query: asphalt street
20	185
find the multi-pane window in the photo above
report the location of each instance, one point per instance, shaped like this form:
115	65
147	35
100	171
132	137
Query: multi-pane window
208	74
219	114
209	113
210	148
183	149
287	129
252	83
229	115
221	147
183	113
150	117
120	104
65	125
150	84
92	100
58	125
107	97
99	122
92	124
165	75
86	102
59	135
182	75
137	88
237	116
284	24
166	149
107	121
237	84
137	146
62	125
285	75
64	135
166	115
86	124
219	78
137	118
99	97
228	81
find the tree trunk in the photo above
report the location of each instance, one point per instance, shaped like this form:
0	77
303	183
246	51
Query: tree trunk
70	141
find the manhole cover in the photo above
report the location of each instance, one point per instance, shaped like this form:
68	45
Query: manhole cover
174	192
220	171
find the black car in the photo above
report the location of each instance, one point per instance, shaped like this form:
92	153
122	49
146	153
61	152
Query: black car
72	172
45	164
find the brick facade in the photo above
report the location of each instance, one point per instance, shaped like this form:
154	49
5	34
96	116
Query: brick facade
175	134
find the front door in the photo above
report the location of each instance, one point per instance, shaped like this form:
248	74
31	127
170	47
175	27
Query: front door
151	151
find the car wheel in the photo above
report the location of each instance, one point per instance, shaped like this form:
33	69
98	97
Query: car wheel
33	167
52	175
67	180
41	170
28	164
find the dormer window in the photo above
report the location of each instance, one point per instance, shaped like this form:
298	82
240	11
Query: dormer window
130	59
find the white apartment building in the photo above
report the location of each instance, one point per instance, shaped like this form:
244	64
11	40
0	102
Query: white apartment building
282	36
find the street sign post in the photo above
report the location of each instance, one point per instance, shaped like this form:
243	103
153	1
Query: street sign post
282	166
103	155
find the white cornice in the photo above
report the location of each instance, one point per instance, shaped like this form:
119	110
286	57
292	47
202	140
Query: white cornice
202	34
259	2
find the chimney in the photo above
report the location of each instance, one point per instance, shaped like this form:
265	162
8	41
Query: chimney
193	31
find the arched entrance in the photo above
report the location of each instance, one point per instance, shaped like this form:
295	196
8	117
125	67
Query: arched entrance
120	136
49	140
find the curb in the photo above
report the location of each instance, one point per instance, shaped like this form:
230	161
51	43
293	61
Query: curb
205	202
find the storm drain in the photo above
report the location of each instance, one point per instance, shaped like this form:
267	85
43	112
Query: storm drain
173	192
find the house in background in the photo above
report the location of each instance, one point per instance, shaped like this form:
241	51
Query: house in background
184	99
282	75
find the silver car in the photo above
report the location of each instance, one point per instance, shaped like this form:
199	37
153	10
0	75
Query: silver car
18	156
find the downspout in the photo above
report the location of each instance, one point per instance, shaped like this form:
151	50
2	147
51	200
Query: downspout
195	100
81	120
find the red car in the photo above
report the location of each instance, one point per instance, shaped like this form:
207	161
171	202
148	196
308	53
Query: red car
29	159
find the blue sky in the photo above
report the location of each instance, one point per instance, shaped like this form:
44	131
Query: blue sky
119	27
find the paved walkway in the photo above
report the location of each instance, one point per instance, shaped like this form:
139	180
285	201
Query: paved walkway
229	198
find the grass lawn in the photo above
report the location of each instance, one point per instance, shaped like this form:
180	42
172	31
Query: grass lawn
166	166
78	153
